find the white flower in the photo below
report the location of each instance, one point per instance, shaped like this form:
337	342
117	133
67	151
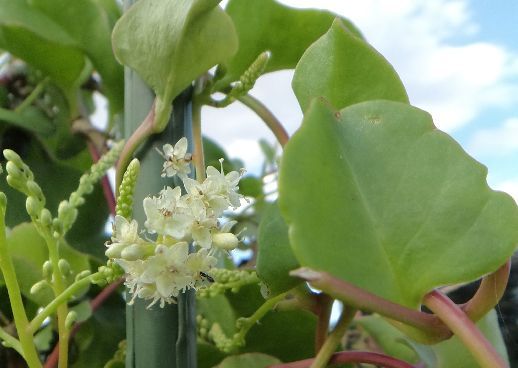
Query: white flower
200	262
177	160
219	186
124	234
167	270
165	216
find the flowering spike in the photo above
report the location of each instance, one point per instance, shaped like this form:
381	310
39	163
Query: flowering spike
250	76
67	211
126	189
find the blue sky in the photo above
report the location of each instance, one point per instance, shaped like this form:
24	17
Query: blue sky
457	58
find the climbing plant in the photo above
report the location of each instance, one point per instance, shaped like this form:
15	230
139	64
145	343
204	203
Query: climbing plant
376	214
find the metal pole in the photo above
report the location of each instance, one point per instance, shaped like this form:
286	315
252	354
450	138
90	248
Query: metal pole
156	337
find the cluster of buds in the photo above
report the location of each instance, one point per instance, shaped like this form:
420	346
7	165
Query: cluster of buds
187	229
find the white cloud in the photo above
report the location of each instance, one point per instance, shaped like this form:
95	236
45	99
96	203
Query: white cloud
499	141
510	187
453	82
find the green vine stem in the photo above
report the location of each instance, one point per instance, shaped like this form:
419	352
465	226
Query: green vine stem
268	305
20	317
58	286
488	294
32	96
358	357
332	341
59	300
459	323
95	304
10	341
145	130
267	116
243	325
364	300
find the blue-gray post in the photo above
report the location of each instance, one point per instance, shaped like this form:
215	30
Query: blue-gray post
157	337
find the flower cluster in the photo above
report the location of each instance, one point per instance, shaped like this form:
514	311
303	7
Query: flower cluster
188	232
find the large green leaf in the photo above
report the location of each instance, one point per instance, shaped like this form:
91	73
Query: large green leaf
390	203
447	354
30	119
89	25
35	38
345	70
249	360
286	32
169	43
275	258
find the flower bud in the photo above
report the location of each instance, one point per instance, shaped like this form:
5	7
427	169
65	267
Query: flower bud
83	274
46	218
226	241
35	190
114	251
70	319
10	155
40	285
33	206
14	171
64	267
135	252
46	270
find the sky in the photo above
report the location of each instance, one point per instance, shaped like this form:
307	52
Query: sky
458	60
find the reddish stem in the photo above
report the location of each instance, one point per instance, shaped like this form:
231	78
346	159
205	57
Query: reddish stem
364	300
95	303
352	357
324	307
489	293
459	323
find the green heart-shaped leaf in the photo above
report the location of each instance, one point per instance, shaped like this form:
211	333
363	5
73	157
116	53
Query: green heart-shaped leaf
35	38
266	25
376	195
89	25
169	43
345	70
275	258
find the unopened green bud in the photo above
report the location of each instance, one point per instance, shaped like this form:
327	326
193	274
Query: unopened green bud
57	228
40	285
33	206
114	251
10	155
226	241
35	190
67	214
126	190
46	270
70	319
64	267
135	252
46	218
83	274
14	171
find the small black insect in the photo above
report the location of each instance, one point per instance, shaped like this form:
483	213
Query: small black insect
206	277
